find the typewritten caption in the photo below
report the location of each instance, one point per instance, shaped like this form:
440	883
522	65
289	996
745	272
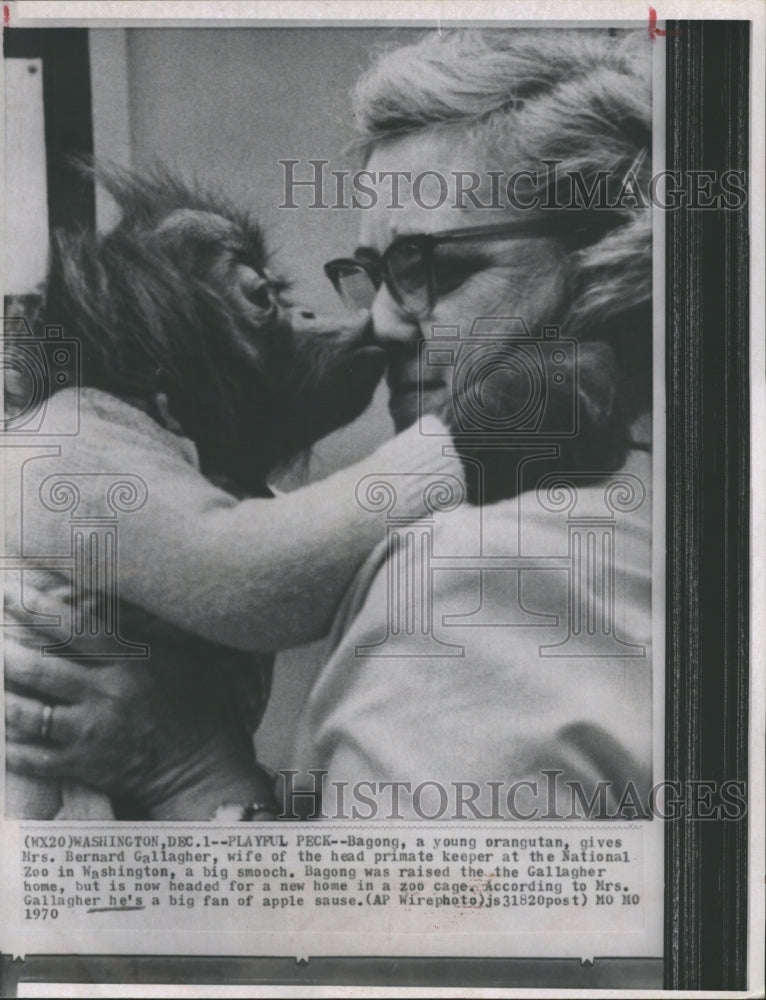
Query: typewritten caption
287	878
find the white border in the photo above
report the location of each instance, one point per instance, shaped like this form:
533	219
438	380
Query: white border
86	11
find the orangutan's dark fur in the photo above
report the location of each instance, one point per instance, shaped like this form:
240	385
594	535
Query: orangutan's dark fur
155	313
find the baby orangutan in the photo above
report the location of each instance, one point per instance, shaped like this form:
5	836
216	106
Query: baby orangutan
200	378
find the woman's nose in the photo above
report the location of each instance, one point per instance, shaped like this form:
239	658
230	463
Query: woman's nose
390	324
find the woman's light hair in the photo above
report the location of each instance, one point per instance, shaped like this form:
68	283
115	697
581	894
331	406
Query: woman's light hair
520	96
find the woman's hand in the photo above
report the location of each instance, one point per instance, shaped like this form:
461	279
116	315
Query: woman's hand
158	738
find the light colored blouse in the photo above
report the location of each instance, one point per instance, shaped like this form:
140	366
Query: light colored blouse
543	668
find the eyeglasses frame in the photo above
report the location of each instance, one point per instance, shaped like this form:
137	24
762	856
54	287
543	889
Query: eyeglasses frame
553	225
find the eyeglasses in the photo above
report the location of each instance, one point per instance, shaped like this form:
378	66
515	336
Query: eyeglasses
416	274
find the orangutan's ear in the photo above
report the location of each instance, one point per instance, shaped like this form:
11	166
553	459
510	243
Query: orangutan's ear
165	418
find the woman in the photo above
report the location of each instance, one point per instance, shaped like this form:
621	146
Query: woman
489	103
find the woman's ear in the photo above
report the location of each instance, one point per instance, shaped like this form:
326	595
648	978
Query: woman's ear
596	383
602	439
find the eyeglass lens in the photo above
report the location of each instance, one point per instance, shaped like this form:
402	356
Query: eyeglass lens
356	286
407	272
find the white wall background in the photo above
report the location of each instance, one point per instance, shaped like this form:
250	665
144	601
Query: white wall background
26	196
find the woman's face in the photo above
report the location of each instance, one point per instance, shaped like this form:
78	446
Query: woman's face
499	278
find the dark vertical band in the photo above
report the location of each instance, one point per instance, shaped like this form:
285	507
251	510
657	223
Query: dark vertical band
708	511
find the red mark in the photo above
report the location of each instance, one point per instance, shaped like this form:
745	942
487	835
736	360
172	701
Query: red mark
6	16
654	31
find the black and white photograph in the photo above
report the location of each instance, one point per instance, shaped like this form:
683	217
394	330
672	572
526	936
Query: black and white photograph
382	529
